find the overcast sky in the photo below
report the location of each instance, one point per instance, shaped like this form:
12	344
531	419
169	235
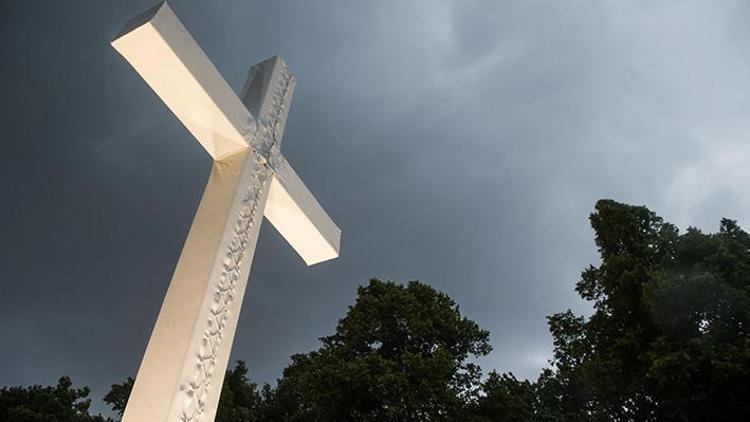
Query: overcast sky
458	143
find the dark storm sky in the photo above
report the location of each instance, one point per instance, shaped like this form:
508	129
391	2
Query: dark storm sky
459	143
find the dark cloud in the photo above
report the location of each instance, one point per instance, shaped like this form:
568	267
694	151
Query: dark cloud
459	143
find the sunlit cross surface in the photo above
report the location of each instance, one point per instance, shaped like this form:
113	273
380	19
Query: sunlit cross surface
182	371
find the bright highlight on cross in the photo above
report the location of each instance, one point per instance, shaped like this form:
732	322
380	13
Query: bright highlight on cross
182	371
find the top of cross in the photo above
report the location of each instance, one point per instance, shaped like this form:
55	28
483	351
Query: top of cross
164	53
161	49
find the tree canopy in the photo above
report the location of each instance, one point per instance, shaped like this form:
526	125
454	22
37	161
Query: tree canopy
399	354
61	403
667	340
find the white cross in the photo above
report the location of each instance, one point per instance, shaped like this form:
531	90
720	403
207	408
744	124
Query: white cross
182	371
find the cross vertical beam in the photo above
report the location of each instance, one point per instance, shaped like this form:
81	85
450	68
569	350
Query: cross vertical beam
183	368
182	371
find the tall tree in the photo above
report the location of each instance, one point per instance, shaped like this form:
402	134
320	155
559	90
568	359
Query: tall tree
668	338
399	354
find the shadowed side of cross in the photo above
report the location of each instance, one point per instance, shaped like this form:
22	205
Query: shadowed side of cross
182	370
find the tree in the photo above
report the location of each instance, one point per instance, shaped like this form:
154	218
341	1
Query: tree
118	394
399	354
668	338
61	403
240	400
505	399
560	392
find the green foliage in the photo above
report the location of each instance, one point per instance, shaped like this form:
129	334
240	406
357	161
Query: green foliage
61	403
240	400
668	338
667	341
561	393
399	354
505	399
118	394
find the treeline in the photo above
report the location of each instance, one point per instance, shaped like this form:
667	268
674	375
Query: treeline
667	341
